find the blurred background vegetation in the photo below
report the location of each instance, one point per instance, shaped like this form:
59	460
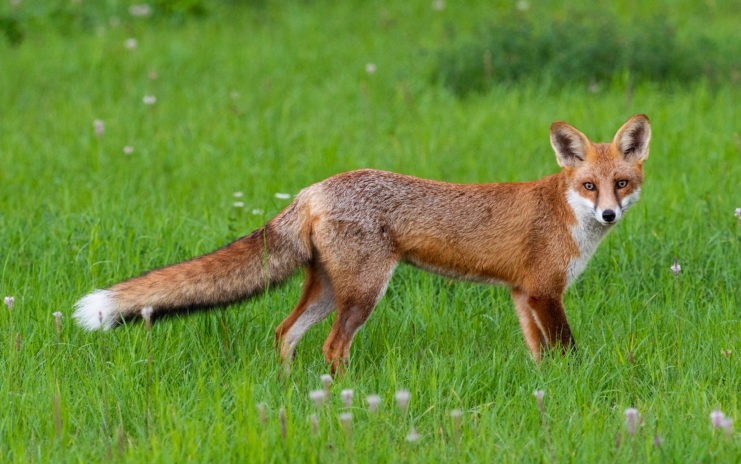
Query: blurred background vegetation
629	42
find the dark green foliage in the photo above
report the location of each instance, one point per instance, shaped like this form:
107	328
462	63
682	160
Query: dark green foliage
180	9
11	30
573	48
65	16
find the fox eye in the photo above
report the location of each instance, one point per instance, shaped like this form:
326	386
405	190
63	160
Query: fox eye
622	183
589	186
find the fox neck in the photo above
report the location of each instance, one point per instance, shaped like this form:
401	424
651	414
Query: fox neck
587	233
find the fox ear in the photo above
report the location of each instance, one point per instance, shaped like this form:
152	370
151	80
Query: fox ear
569	144
632	139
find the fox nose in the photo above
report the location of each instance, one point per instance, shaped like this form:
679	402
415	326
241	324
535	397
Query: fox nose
608	215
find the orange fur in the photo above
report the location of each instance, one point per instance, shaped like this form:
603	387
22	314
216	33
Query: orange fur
351	230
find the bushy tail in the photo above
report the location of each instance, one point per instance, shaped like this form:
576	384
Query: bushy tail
232	273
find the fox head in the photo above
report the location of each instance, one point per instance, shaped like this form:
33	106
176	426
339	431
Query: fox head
604	179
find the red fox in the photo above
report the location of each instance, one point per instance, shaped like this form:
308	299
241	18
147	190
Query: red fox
350	231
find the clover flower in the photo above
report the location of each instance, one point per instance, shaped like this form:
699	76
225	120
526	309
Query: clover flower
327	382
317	396
99	127
140	11
373	402
538	394
632	419
716	418
346	419
676	267
347	397
402	399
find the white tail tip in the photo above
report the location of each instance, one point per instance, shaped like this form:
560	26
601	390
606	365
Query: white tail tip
96	310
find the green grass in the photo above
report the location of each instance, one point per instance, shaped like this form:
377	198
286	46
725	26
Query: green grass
78	214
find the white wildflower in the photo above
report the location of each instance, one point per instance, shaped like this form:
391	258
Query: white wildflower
373	402
402	398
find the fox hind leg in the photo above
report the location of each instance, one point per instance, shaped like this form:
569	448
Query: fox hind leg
315	304
356	296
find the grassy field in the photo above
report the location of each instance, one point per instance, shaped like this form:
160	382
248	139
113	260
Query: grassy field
273	97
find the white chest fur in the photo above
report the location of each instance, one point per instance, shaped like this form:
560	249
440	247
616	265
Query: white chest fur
587	234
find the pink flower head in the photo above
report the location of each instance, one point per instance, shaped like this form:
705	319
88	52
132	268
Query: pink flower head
373	402
402	398
347	397
140	11
632	419
717	417
130	43
370	68
9	302
99	127
149	99
346	419
538	394
738	215
128	149
676	267
317	396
